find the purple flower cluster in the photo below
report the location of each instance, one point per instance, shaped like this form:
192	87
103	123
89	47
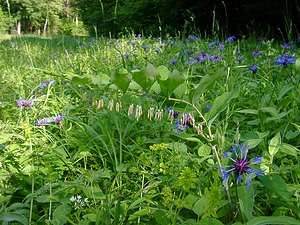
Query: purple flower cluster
25	103
240	165
45	121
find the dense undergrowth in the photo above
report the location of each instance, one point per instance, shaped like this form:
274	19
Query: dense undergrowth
141	130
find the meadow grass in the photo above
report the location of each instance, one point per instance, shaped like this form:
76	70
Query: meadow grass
149	130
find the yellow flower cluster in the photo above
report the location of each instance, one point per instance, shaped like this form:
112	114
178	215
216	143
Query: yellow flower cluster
158	147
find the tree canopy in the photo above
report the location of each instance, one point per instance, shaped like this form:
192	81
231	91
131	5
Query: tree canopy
151	16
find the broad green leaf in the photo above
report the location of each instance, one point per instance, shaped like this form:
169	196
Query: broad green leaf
190	200
209	221
155	87
80	80
180	90
246	201
121	78
163	72
289	149
146	76
252	143
161	217
175	78
199	207
92	217
278	220
204	150
207	82
12	216
277	185
220	104
274	144
61	213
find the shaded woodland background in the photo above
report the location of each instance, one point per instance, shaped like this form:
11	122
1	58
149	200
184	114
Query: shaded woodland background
275	18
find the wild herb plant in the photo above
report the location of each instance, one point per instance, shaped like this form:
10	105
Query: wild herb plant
143	130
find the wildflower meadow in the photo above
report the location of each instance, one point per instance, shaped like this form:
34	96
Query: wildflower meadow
145	130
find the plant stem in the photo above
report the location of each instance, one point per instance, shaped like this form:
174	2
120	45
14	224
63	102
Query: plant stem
50	204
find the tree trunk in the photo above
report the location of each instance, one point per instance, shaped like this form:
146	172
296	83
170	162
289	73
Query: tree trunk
19	28
45	26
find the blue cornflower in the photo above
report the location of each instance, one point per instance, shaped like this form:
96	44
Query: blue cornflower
253	68
215	58
192	37
45	84
127	55
180	127
172	113
54	56
221	46
286	46
240	59
240	165
145	47
285	60
157	50
172	43
213	43
173	61
230	38
25	103
256	53
57	119
42	122
202	57
188	63
135	67
208	107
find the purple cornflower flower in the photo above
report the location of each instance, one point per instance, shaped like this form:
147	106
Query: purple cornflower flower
286	46
202	57
213	43
42	122
221	46
255	53
240	59
25	103
192	37
172	113
146	48
54	56
127	55
208	107
285	60
45	84
173	61
230	39
157	50
215	58
240	165
253	68
180	127
57	119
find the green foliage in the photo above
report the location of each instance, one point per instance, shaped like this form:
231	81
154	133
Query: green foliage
141	139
